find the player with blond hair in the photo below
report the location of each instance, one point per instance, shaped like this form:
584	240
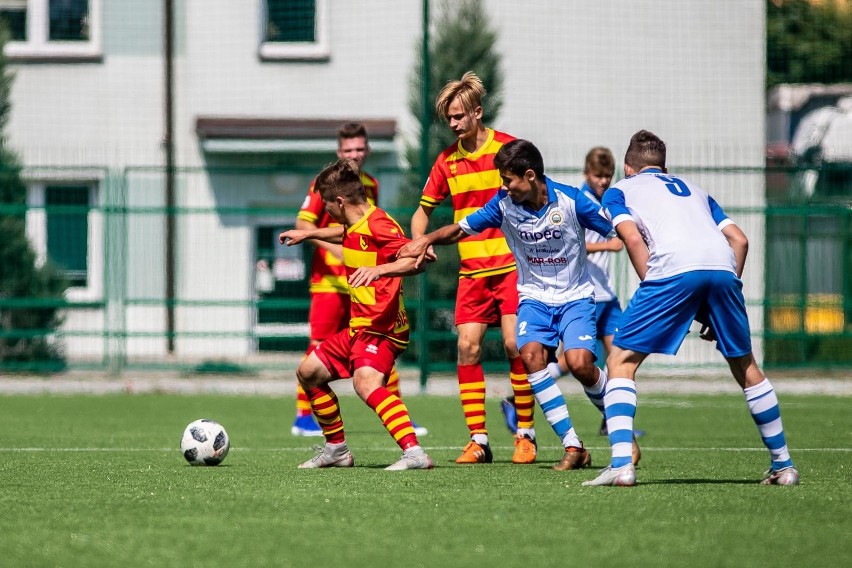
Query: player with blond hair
487	291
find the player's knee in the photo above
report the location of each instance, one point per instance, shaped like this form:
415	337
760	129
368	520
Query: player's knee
469	351
307	375
581	364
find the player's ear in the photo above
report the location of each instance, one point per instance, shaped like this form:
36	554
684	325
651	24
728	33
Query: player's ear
530	175
477	113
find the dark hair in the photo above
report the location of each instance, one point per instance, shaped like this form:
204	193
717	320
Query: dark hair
600	160
645	149
518	156
352	130
342	178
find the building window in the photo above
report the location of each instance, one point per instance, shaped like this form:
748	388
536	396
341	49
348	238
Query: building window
65	227
294	29
67	220
52	29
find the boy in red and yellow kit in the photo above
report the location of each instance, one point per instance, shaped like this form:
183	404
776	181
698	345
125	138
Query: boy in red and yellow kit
487	293
378	327
329	311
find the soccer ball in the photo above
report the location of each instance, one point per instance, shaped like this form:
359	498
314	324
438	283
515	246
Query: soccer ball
204	442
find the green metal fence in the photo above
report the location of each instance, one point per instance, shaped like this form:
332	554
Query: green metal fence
239	299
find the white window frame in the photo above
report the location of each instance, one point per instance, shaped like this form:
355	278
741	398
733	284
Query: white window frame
36	222
315	50
38	46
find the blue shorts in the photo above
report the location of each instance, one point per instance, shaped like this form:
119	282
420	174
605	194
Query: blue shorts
608	317
572	323
659	315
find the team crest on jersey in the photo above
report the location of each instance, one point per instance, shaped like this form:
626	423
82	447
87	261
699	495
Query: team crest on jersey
363	243
453	168
556	217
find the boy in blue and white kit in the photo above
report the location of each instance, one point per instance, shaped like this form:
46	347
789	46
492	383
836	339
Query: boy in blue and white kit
689	256
544	223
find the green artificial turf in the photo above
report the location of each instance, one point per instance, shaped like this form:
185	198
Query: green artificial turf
99	481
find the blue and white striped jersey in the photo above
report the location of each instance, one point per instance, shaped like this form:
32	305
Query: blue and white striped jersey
549	245
599	261
680	223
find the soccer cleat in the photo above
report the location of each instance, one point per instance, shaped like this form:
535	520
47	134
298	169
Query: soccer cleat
476	453
574	458
603	431
525	450
636	454
624	476
330	455
785	476
305	425
419	430
510	414
411	459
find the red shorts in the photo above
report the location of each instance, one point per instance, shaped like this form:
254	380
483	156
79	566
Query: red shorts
342	354
487	300
329	314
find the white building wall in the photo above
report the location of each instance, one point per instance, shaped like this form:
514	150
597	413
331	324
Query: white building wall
576	74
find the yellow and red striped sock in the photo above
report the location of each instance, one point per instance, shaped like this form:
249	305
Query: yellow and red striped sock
393	382
327	411
394	415
524	398
472	393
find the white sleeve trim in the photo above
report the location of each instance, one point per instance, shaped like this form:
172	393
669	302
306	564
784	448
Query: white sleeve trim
621	219
724	223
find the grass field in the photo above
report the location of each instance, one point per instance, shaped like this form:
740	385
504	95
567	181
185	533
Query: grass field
99	481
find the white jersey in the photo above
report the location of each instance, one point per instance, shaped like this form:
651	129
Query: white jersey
679	222
599	262
549	245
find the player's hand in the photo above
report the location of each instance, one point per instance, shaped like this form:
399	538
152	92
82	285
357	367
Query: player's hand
364	275
707	333
292	237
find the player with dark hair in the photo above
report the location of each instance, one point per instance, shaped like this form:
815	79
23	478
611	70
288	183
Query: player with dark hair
329	311
487	291
544	223
378	327
690	257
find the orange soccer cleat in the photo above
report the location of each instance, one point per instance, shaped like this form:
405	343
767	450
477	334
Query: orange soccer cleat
476	453
525	449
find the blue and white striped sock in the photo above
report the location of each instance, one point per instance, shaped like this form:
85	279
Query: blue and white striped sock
596	392
553	405
620	402
763	406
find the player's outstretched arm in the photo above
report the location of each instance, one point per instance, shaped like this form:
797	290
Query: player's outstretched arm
333	248
365	275
297	236
419	248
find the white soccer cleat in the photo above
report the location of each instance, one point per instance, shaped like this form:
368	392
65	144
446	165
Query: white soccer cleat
411	459
785	476
624	476
330	455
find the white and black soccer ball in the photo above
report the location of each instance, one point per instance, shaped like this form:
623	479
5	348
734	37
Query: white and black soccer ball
205	442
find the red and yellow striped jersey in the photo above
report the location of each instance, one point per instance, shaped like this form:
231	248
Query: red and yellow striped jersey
471	180
327	272
377	308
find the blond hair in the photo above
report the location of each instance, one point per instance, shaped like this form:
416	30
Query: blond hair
469	90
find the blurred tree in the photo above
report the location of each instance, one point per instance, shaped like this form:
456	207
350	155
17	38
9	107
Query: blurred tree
808	42
462	41
25	330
